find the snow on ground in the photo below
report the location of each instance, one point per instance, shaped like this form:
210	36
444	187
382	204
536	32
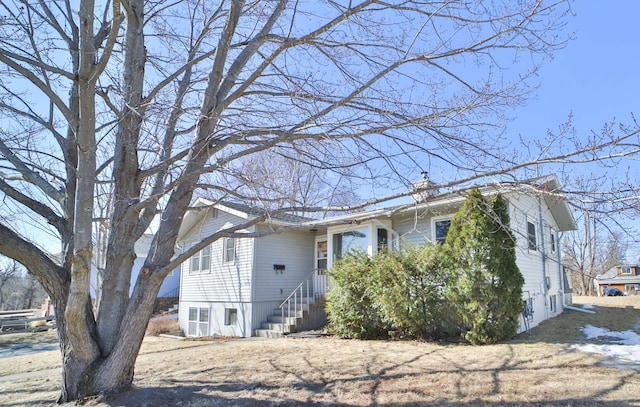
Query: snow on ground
587	306
626	344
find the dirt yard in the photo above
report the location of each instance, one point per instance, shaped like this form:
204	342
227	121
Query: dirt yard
541	369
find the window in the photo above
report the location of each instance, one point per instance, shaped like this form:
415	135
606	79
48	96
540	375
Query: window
230	316
531	234
229	250
441	229
552	240
350	241
383	239
198	321
201	261
322	252
552	303
625	270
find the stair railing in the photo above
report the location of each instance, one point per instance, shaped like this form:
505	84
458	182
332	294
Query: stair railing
295	301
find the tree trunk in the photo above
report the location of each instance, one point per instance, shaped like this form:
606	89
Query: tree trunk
110	371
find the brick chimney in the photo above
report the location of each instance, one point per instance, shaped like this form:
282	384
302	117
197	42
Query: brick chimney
428	188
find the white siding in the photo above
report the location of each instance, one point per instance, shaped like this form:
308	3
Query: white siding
225	282
534	269
412	230
292	249
241	328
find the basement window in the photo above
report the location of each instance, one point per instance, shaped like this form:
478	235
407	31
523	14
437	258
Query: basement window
230	316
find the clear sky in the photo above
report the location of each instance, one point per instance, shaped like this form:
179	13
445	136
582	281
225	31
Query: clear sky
596	77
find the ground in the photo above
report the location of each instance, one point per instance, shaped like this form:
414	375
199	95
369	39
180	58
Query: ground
546	368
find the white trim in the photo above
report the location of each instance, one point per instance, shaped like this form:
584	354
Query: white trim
225	258
198	255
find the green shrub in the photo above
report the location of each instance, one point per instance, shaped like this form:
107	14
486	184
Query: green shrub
486	289
409	291
350	307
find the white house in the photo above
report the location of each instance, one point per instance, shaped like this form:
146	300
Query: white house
171	284
241	286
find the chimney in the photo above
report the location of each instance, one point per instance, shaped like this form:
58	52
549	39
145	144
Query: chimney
428	188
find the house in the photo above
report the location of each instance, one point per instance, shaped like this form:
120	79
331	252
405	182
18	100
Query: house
170	285
625	277
262	286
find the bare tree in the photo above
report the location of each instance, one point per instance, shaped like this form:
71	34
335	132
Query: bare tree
18	289
147	97
592	250
7	273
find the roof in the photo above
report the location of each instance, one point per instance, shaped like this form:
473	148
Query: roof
611	276
547	187
202	206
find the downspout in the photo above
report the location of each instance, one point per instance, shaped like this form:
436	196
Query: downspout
544	260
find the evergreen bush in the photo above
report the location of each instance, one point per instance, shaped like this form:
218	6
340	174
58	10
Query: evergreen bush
486	289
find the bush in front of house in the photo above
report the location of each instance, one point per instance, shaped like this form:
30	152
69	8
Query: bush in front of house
393	294
351	310
486	293
469	288
408	289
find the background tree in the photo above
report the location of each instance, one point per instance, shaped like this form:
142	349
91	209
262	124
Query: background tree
18	289
486	285
147	97
592	250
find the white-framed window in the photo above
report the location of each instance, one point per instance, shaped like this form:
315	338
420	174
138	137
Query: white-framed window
552	241
531	235
369	237
198	321
229	250
625	270
440	229
230	316
350	240
201	261
552	303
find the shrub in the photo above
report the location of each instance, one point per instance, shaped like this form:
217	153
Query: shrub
486	291
350	307
409	291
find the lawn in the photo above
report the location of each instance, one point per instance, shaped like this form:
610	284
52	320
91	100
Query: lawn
541	369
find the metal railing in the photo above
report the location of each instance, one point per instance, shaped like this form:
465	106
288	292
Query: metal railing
294	304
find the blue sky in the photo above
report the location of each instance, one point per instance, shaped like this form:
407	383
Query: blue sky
596	77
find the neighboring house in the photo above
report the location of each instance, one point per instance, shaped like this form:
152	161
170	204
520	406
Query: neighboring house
170	285
235	286
625	277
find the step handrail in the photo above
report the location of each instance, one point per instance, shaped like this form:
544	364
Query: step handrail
298	303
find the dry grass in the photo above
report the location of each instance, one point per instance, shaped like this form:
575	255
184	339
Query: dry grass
162	325
536	370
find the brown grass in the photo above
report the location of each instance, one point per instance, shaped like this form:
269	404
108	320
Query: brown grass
162	325
536	370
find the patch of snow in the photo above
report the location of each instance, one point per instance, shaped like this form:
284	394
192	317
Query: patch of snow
588	306
628	352
626	344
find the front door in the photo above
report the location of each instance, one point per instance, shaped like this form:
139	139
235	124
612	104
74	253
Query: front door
320	270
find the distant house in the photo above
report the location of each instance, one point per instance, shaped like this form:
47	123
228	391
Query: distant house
170	285
625	277
240	286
